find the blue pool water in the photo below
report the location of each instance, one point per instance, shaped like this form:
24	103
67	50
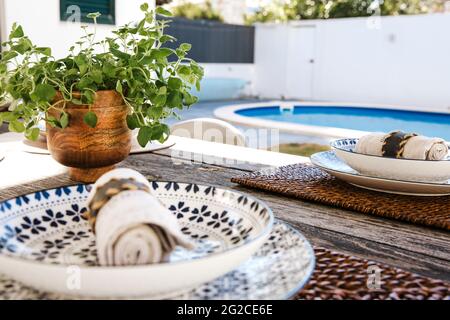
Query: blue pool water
364	119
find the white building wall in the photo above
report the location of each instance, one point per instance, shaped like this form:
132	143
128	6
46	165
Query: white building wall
405	62
270	60
41	22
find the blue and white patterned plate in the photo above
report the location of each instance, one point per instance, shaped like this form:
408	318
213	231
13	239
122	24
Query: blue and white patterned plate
278	270
44	234
410	170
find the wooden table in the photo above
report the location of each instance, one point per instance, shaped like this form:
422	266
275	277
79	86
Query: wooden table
422	250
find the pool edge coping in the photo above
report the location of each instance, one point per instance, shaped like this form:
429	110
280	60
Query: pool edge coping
228	113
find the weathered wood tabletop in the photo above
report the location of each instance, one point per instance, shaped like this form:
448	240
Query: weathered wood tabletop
418	249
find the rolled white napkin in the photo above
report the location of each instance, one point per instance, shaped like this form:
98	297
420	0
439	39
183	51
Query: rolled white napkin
131	225
371	144
411	147
119	173
133	228
425	148
138	245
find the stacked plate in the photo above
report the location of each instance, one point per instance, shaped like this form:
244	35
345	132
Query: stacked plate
40	146
47	249
400	176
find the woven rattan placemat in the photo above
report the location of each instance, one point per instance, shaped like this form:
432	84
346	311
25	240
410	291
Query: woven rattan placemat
340	276
304	181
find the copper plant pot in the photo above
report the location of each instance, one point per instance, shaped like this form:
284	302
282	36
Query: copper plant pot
90	152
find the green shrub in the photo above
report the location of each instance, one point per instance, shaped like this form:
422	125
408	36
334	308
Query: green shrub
196	11
329	9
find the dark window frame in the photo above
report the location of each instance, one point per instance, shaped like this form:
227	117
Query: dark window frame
103	19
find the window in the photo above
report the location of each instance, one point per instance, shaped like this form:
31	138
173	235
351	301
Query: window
105	7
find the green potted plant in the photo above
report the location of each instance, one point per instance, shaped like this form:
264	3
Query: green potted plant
92	98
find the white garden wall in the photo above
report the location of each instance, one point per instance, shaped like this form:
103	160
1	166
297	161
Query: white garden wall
404	62
41	22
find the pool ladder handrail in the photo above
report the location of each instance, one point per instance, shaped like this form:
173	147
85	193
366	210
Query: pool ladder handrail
286	108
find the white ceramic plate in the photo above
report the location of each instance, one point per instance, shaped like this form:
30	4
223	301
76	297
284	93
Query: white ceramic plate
39	148
391	168
329	162
43	235
278	270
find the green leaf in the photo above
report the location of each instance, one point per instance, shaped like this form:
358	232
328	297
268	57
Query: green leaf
22	46
189	99
72	72
180	53
43	93
77	101
185	46
167	38
81	62
64	119
144	136
85	82
163	12
145	44
93	15
8	116
109	70
175	99
119	54
45	51
8	55
89	97
147	60
185	73
197	70
53	122
160	100
161	53
3	68
155	112
192	79
90	118
160	132
97	76
132	121
119	86
16	126
162	90
144	6
16	32
184	70
175	83
32	134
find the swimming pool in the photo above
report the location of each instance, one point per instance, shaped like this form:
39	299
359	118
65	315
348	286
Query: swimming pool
337	120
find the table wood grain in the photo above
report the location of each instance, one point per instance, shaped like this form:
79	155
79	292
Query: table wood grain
418	249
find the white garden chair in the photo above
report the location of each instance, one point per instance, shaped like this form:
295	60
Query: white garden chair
208	129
